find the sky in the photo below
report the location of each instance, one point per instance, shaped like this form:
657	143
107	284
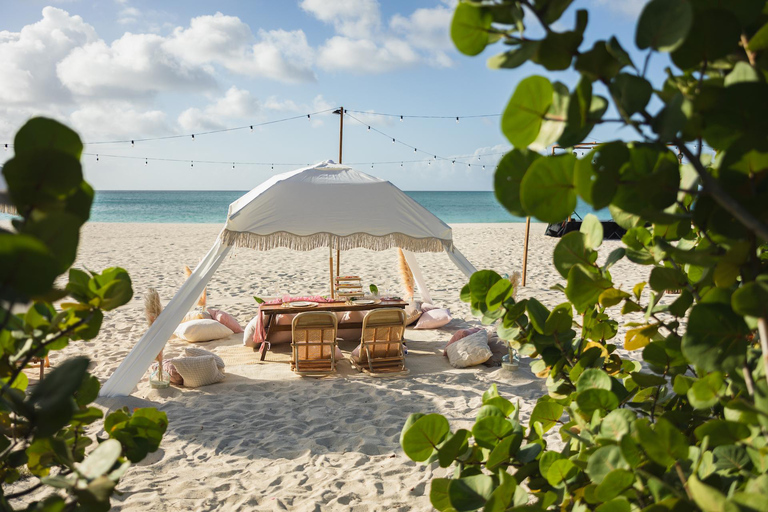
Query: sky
121	70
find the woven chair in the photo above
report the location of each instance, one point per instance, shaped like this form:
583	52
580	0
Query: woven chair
381	343
313	343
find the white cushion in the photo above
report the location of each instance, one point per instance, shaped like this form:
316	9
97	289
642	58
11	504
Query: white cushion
198	371
202	330
250	332
433	319
469	351
196	314
412	312
197	352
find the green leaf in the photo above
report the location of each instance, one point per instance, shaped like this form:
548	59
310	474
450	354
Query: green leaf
722	432
632	92
538	314
509	174
470	493
40	134
751	299
498	294
759	40
715	338
619	504
27	268
422	437
515	57
664	24
584	110
731	457
619	53
614	484
438	494
504	451
547	191
742	72
521	121
593	378
554	124
611	297
595	399
584	287
52	398
598	63
616	424
699	46
470	28
101	460
547	413
490	430
604	460
665	278
453	446
663	443
708	498
569	251
561	470
555	52
705	391
592	229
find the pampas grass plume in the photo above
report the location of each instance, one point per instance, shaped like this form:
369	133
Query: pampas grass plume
406	276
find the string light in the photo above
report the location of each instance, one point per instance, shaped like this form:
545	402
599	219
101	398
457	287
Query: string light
483	167
415	150
97	157
457	120
401	164
308	116
133	145
233	165
251	128
193	136
369	128
192	163
6	147
401	119
393	141
146	162
453	162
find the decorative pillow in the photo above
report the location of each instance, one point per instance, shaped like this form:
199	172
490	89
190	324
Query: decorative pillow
434	319
499	349
170	369
469	351
412	312
226	319
250	332
202	330
196	314
198	371
198	352
426	306
461	333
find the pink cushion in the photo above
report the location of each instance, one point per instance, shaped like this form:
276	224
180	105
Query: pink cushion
461	333
433	319
225	319
170	369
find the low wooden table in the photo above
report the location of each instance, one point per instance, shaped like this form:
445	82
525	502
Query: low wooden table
270	311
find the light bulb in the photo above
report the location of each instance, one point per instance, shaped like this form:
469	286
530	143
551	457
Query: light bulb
453	162
369	128
401	119
308	116
401	164
273	167
192	163
429	162
193	136
133	144
371	166
483	167
233	165
457	120
97	157
251	128
6	147
146	162
414	150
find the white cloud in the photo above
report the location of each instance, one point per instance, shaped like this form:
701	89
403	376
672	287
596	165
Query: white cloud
116	119
128	16
235	104
352	18
28	58
228	41
134	65
429	30
362	56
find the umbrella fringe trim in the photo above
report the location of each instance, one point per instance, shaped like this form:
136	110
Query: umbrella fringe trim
319	240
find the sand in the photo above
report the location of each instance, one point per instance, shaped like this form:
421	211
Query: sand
265	439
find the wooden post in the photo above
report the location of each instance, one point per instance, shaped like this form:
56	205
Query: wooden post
330	260
341	130
525	248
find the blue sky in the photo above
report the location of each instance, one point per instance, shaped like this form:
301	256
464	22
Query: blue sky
131	69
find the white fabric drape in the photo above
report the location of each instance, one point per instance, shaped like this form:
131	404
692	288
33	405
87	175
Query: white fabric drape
460	261
130	371
421	285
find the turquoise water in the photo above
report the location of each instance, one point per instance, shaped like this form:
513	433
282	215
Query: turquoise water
211	207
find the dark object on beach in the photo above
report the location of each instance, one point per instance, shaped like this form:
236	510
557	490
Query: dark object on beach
611	230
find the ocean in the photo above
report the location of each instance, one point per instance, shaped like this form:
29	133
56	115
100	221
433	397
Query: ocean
183	206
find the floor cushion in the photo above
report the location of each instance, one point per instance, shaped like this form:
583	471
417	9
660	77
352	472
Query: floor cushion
461	333
470	350
433	319
197	352
198	371
196	314
225	318
202	330
250	332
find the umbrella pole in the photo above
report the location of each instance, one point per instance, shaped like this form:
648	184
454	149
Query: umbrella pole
330	261
525	248
338	262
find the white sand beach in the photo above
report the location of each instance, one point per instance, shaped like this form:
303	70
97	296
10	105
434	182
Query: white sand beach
265	439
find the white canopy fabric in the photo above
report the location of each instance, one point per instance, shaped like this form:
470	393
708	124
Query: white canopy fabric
325	205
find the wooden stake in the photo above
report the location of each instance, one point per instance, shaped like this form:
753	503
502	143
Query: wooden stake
330	260
525	248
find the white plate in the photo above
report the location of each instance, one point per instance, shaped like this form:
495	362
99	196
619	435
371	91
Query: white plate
363	302
303	304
